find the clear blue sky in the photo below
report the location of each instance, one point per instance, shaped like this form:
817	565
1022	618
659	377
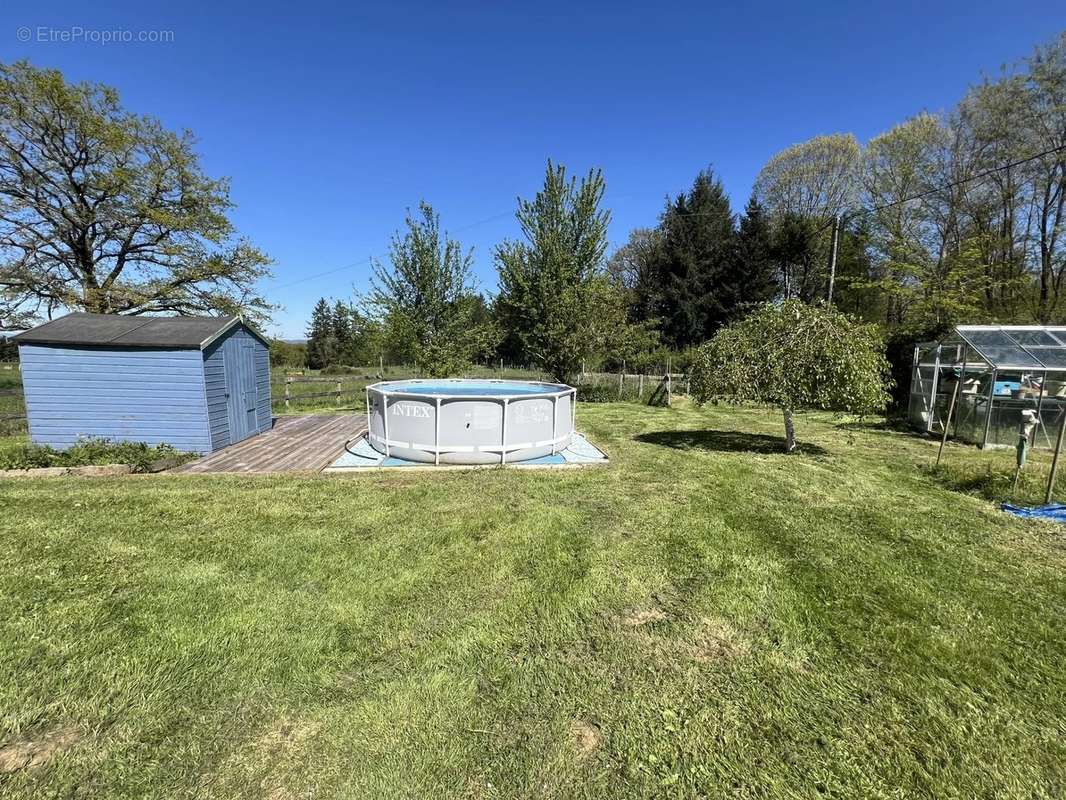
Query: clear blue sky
332	118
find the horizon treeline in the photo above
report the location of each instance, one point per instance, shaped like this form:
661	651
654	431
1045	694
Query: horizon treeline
946	218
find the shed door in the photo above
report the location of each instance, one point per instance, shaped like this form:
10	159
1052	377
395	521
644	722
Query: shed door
239	360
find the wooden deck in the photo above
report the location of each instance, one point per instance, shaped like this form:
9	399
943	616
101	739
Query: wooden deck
295	444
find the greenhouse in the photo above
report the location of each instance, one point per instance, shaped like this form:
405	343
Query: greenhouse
994	373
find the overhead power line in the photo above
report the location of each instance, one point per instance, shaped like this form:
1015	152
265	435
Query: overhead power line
323	274
950	185
943	187
838	220
961	181
937	189
369	259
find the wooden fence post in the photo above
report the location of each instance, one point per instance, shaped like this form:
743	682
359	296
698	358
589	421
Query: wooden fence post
338	392
640	387
947	422
1055	460
288	394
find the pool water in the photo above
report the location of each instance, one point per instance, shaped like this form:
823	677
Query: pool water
472	388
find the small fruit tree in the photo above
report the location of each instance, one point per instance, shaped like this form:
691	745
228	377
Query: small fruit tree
794	356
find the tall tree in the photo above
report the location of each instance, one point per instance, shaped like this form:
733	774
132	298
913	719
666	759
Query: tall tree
802	189
753	271
686	284
321	344
550	282
421	296
854	295
991	219
629	265
816	179
287	354
1044	129
364	346
926	263
106	211
635	340
341	330
486	334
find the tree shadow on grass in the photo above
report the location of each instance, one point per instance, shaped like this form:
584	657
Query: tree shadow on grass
726	442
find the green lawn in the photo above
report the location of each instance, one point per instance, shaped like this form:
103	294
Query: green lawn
11	404
703	618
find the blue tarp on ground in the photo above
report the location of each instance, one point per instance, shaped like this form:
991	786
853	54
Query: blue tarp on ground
1056	512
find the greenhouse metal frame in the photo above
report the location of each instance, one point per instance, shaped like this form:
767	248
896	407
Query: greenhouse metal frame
995	372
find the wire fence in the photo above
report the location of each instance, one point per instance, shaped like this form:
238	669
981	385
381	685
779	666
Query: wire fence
293	392
297	391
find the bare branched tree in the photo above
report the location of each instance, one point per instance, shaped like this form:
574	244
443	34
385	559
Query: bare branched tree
105	211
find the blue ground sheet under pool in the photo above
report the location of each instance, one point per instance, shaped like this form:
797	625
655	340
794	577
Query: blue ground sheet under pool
361	455
1056	512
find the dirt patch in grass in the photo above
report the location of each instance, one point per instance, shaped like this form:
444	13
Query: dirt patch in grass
32	752
585	737
716	640
712	639
643	616
285	736
285	740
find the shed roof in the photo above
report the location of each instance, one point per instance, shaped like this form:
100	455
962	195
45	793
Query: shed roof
182	333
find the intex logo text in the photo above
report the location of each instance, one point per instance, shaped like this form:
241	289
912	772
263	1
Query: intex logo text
409	410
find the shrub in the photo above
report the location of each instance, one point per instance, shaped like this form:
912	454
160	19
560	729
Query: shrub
596	393
89	452
606	391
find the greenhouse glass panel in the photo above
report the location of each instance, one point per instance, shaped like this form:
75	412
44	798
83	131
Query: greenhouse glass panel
1051	357
999	348
1037	337
995	374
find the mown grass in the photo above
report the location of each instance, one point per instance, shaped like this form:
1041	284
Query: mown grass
991	475
706	617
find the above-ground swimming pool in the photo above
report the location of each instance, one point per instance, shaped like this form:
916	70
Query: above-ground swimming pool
462	421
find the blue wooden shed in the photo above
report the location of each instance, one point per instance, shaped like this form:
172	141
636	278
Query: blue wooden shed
197	383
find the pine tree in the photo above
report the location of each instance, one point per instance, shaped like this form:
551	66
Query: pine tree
320	335
799	258
685	287
753	274
341	329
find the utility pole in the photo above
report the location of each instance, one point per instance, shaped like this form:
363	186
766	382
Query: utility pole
833	257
